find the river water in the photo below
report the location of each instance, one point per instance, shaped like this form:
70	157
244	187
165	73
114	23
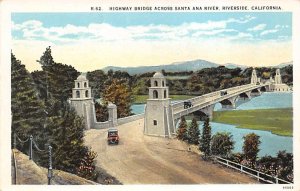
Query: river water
270	143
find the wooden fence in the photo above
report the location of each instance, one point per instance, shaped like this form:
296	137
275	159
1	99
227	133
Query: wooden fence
251	172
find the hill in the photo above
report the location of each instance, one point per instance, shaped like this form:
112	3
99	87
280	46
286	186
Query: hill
193	65
284	64
174	67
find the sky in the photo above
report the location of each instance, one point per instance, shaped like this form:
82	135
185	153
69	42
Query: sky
90	41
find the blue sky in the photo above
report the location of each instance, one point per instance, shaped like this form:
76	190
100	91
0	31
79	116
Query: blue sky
157	29
271	20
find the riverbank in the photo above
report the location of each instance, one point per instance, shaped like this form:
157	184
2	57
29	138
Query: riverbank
277	121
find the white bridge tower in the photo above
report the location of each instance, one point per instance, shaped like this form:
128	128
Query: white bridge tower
254	78
157	122
82	100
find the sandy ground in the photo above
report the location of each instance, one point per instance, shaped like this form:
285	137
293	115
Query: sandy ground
140	159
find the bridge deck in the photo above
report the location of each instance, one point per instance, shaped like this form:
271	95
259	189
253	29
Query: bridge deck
206	100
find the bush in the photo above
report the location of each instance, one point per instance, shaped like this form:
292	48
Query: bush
222	144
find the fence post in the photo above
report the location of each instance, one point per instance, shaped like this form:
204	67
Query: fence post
258	175
15	140
241	168
50	173
30	147
276	178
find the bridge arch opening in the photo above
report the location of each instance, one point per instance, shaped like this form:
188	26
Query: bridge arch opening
218	106
263	89
255	92
200	115
244	96
227	104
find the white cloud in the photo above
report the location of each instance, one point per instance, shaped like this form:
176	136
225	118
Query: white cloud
281	26
242	20
257	27
268	32
212	32
30	24
34	29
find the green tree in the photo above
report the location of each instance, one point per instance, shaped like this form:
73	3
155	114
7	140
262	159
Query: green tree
87	166
205	138
63	129
182	129
101	112
56	80
118	92
285	165
66	138
140	87
193	132
26	107
46	59
97	80
222	144
251	147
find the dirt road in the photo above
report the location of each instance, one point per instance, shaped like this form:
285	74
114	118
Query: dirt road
140	159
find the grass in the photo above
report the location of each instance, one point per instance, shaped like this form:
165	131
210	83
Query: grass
278	121
177	77
140	99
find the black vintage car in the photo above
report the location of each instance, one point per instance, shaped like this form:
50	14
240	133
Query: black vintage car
187	104
223	93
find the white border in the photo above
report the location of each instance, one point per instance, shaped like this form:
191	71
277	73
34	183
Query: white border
9	6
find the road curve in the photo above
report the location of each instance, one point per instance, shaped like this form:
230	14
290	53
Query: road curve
140	159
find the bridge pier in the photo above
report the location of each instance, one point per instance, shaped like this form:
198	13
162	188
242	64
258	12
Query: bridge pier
208	111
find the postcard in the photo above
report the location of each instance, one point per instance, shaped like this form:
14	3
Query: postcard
167	95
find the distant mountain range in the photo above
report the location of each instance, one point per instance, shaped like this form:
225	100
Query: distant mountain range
284	64
193	65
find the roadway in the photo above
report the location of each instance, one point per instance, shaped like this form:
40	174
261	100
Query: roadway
141	159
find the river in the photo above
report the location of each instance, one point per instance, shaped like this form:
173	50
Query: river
270	143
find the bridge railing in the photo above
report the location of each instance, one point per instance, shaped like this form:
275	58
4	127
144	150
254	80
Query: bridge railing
233	93
200	99
251	172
